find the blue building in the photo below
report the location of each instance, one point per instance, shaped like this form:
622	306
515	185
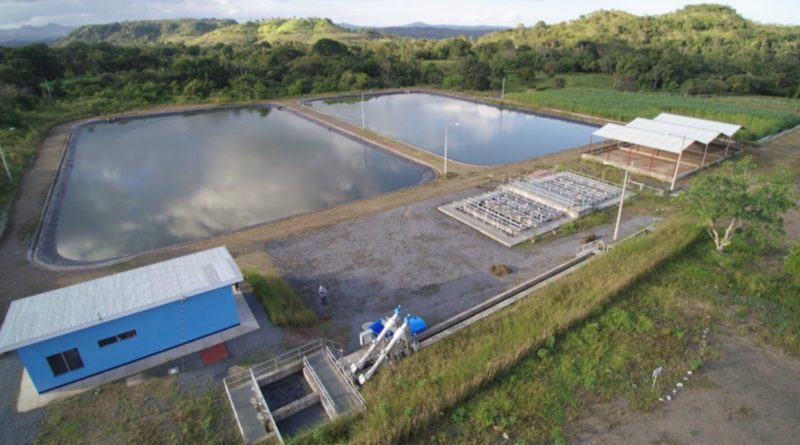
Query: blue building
81	331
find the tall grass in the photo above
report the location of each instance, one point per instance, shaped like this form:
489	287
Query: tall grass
656	322
760	116
411	396
284	307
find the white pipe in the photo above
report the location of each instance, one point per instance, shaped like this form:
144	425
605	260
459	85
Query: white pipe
384	353
386	328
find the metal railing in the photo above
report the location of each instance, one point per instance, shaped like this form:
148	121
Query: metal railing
325	398
265	408
278	362
595	246
235	412
349	381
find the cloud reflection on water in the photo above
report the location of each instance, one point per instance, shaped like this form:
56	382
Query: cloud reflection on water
487	135
154	182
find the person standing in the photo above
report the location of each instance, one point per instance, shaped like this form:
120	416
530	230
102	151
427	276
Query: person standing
323	295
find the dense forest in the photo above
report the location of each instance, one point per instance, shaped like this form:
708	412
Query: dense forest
703	49
698	50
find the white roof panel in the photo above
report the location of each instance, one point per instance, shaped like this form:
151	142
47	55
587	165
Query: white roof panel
722	127
645	138
697	134
75	307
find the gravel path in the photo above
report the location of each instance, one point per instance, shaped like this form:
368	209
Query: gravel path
415	256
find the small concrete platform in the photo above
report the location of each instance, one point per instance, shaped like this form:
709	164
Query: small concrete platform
30	399
260	399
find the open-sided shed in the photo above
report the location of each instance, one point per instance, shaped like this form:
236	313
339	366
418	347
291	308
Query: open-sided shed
665	148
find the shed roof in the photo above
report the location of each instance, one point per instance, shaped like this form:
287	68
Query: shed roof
723	127
698	134
645	138
68	309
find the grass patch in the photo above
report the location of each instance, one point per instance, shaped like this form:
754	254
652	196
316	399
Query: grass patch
760	116
416	393
594	219
283	305
157	411
656	322
574	80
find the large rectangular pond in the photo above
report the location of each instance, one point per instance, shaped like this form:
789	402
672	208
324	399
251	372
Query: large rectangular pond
139	184
486	135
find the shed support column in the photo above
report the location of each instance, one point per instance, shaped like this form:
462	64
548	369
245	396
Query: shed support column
652	156
703	162
675	175
727	146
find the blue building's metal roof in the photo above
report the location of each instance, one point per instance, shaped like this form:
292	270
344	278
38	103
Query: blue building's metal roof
50	314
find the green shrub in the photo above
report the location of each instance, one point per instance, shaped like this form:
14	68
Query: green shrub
284	307
792	262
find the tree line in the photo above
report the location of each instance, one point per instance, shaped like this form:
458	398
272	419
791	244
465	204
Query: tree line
625	47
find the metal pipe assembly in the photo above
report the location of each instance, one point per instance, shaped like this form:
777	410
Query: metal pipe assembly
386	328
402	332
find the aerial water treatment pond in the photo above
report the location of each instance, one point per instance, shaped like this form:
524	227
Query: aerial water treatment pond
132	185
486	135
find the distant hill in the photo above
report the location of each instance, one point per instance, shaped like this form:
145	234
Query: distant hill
33	34
692	29
146	32
300	30
206	32
421	30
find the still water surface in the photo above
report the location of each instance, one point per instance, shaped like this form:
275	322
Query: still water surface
486	135
141	184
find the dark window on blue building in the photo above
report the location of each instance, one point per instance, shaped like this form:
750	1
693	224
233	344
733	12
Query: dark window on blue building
115	338
64	362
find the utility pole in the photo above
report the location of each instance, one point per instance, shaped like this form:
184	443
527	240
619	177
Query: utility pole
503	91
621	201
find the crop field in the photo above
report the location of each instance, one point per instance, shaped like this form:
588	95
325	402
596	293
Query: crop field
759	115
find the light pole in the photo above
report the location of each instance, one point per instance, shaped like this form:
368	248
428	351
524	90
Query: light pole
621	201
363	120
3	158
455	124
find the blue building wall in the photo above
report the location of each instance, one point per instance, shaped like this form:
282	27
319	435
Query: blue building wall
157	329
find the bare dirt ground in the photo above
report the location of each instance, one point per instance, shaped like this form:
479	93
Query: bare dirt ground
416	256
749	395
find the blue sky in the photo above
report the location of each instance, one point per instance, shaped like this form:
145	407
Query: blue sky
14	13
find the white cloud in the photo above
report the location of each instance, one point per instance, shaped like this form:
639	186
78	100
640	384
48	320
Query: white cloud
14	13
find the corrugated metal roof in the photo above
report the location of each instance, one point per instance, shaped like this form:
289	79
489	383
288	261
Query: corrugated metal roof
722	127
60	311
698	134
645	138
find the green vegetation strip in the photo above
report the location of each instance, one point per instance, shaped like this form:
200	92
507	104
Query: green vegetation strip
283	305
413	395
760	116
607	359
